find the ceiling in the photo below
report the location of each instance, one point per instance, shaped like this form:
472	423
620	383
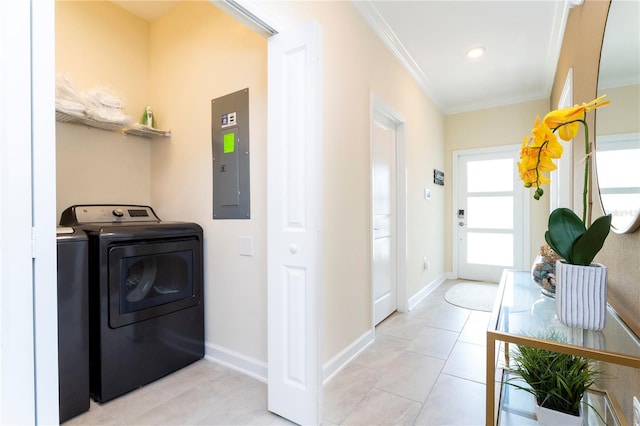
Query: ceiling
430	37
522	41
146	9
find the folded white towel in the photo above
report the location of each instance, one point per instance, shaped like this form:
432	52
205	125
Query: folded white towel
109	115
101	97
70	107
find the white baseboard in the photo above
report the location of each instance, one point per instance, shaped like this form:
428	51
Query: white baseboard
426	290
338	362
259	370
236	361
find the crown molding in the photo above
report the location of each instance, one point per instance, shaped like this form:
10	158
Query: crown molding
375	20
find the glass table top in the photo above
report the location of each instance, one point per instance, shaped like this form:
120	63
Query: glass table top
525	312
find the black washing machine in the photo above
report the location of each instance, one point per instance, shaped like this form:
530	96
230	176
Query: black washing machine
73	322
146	307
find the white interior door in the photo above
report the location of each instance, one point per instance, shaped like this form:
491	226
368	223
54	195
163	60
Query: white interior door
383	183
293	226
489	214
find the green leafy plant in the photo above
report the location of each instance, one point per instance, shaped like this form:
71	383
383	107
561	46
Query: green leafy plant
557	381
569	238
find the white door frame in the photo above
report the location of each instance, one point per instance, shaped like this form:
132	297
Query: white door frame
561	186
379	107
28	290
526	235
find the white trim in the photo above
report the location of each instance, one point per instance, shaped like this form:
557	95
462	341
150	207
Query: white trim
379	25
253	14
259	371
561	186
236	361
388	37
44	212
617	141
18	399
378	106
345	356
426	290
561	17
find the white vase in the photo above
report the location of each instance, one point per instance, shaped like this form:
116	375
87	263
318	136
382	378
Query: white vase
547	417
581	295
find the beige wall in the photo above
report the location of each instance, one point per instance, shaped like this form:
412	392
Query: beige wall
356	63
199	53
177	64
621	253
621	116
487	128
94	165
191	58
181	61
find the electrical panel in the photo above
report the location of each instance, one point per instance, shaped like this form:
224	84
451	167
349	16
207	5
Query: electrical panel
230	151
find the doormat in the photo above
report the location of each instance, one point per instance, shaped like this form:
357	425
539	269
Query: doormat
478	296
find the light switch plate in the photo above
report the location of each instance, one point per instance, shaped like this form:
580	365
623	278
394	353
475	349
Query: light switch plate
427	194
245	246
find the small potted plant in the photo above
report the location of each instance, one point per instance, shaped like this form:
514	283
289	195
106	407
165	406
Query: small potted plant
557	381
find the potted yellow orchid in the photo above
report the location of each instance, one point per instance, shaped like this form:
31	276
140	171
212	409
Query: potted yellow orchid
580	284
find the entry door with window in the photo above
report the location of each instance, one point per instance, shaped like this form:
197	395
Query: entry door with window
489	214
383	182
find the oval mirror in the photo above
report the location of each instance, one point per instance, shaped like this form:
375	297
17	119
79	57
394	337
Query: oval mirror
618	125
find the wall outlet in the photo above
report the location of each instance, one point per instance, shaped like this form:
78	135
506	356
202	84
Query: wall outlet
636	411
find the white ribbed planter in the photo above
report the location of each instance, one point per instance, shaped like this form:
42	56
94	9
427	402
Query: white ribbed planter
581	295
549	417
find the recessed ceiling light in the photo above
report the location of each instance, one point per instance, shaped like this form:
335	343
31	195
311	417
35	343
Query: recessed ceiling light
475	52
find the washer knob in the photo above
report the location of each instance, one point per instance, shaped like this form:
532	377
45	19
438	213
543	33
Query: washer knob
118	212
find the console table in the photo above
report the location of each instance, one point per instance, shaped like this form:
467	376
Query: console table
521	314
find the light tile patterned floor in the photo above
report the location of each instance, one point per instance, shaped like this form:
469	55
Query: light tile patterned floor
426	367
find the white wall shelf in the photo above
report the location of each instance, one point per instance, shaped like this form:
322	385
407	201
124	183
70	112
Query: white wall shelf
67	118
136	130
147	132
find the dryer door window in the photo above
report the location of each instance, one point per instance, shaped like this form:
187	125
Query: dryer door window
155	279
151	279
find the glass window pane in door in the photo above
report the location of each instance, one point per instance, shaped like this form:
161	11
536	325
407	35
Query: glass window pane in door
611	167
490	212
490	249
490	175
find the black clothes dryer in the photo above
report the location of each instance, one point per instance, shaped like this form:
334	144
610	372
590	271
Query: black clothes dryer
146	309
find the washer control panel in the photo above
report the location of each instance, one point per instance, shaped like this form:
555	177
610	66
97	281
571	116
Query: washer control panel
108	213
